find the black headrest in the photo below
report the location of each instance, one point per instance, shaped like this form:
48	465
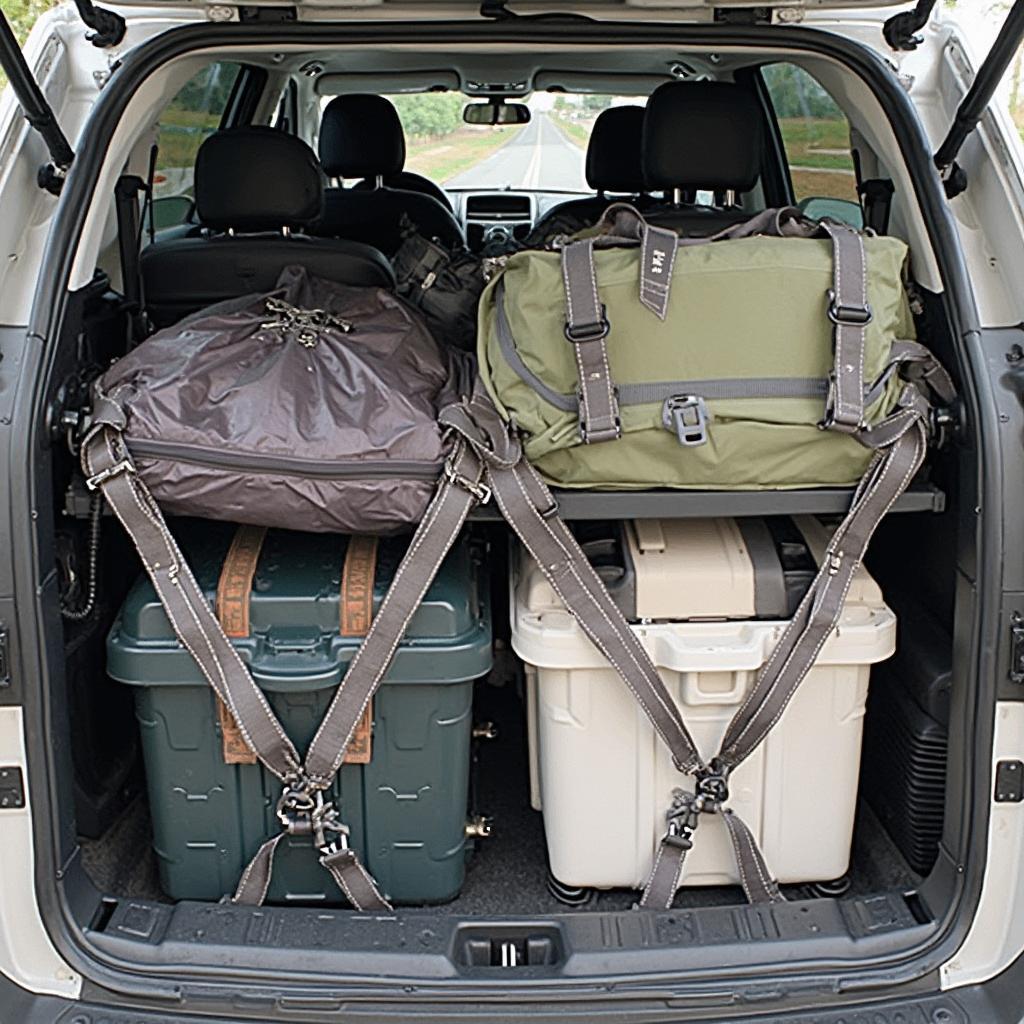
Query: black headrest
702	135
257	179
361	137
613	153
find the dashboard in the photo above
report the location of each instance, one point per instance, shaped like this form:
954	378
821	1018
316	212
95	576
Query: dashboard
497	218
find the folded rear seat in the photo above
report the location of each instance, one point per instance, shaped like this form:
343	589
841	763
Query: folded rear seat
254	187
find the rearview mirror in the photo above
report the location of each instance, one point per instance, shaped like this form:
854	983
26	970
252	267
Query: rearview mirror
495	112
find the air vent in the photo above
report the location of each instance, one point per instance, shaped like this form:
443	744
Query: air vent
499	207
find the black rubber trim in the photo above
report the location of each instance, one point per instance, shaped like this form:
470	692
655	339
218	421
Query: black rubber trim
51	301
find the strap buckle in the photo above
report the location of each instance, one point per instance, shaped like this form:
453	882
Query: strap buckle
713	786
687	416
829	421
94	483
848	315
296	805
575	334
683	817
477	488
303	811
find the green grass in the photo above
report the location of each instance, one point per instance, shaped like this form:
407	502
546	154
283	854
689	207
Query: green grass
577	133
443	158
810	143
182	133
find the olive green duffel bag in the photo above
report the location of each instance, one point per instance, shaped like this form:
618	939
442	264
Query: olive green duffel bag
636	359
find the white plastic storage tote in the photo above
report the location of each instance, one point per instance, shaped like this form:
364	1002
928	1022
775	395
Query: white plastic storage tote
602	777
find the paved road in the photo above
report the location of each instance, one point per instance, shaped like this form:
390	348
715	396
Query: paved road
538	157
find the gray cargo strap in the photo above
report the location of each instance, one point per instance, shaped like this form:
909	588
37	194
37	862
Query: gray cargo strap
302	809
530	509
586	328
791	659
850	314
109	468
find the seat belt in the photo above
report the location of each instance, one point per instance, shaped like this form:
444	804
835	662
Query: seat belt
129	237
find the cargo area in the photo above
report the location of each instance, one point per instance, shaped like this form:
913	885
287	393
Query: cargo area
468	803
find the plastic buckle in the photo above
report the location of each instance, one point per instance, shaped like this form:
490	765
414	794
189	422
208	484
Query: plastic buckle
848	316
94	483
325	820
477	488
687	417
682	817
579	333
713	787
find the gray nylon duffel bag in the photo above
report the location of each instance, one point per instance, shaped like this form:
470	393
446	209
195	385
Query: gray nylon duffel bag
313	407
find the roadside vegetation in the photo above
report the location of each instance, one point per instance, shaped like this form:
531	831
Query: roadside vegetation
438	143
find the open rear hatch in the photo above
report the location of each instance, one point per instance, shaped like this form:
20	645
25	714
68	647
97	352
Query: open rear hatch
504	905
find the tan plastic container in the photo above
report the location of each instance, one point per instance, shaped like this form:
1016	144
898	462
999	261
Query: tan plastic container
601	776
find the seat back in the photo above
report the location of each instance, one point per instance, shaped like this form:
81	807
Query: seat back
255	189
613	165
361	137
701	136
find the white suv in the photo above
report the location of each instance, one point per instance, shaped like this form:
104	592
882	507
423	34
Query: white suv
875	116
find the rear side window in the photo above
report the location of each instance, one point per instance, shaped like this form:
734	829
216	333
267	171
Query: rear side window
815	135
193	115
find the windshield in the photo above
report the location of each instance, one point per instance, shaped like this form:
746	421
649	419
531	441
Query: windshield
546	155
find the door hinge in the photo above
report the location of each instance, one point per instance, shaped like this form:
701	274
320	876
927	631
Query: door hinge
12	788
1009	782
1017	648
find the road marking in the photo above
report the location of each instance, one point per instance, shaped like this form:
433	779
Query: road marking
532	176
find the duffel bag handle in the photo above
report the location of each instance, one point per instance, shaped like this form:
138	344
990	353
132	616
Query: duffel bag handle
624	225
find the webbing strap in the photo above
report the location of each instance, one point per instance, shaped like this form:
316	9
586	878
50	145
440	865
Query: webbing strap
586	329
791	659
530	509
887	477
302	810
850	314
109	468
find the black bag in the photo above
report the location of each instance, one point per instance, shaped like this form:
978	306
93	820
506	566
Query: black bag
443	284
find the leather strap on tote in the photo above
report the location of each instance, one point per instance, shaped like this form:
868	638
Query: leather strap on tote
234	591
356	612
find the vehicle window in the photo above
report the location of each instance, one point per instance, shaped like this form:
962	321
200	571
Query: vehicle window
547	154
194	114
815	135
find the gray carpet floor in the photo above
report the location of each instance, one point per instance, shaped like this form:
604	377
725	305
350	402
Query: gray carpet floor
508	873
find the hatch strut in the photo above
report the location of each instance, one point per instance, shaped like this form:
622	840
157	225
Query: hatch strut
973	105
108	28
900	31
37	111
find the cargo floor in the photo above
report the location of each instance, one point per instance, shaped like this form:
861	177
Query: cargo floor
507	874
